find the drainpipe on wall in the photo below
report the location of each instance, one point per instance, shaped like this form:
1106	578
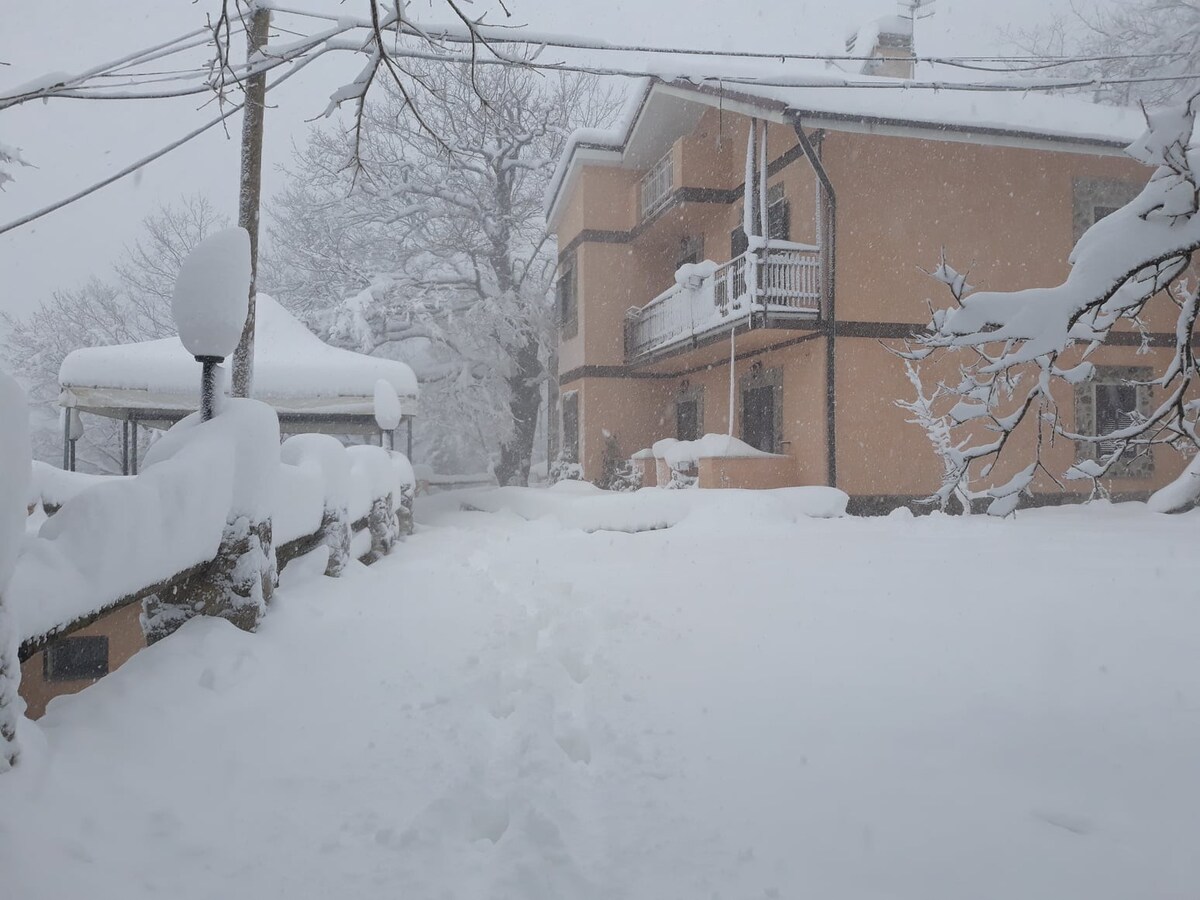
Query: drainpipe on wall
829	270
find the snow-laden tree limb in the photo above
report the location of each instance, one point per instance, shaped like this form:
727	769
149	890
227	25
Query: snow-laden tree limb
1012	341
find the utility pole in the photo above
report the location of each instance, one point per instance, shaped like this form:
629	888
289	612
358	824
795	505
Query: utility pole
250	192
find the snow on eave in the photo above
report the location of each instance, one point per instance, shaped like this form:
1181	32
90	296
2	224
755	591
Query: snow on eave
598	144
976	128
973	117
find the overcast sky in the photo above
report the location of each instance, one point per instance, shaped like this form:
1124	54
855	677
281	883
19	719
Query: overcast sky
74	143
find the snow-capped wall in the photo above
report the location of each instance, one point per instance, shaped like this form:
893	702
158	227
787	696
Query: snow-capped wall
116	536
14	489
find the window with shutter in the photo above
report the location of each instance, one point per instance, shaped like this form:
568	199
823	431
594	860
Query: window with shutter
691	251
762	410
687	420
779	222
567	299
738	242
570	426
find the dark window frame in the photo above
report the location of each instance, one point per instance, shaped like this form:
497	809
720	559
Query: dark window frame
779	222
566	297
569	404
691	250
764	379
1090	194
1136	462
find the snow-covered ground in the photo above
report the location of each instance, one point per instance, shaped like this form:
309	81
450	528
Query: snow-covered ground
747	704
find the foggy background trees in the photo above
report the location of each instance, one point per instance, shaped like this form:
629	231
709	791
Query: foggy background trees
1130	40
428	244
134	304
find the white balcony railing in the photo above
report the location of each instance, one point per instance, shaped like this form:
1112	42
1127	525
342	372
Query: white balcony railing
787	285
655	187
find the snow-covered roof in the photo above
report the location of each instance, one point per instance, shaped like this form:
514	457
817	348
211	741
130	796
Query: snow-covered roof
663	109
294	371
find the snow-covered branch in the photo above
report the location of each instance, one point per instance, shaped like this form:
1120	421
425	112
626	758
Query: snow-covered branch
1014	340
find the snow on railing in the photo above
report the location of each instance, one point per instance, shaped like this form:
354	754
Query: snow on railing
789	279
155	538
707	296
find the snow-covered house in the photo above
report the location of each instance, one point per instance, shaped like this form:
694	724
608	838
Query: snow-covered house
662	268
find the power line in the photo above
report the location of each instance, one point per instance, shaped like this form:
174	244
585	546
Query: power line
77	88
506	34
145	160
300	53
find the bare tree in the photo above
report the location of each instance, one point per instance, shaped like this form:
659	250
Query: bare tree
1012	345
430	242
1126	43
10	157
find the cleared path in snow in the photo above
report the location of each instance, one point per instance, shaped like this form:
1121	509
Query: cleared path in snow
741	706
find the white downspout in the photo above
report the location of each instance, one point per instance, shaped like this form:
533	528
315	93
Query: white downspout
763	218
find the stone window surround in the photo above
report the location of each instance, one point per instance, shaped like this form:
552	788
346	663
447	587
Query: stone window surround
1142	465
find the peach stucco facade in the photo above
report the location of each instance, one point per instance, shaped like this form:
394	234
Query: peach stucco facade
122	628
1006	209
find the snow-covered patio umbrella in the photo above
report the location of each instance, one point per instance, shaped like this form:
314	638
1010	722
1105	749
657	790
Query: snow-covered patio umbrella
311	385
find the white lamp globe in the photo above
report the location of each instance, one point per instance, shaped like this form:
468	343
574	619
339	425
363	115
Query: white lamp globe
387	406
212	294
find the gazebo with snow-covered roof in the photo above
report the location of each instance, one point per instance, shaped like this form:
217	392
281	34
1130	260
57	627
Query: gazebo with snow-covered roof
311	385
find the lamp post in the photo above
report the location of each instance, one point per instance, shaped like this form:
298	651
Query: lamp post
208	384
210	305
74	432
388	412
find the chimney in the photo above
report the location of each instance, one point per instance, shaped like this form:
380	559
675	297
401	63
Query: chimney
888	41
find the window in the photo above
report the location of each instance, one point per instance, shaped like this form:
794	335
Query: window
1116	408
758	418
76	658
691	251
779	222
1095	198
654	190
761	409
570	426
738	242
687	420
567	298
689	411
1114	398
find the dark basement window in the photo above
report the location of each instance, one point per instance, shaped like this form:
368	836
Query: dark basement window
75	659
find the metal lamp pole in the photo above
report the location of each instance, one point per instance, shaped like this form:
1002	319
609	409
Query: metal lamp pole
208	384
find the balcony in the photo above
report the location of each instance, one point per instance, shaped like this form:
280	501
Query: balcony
707	299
